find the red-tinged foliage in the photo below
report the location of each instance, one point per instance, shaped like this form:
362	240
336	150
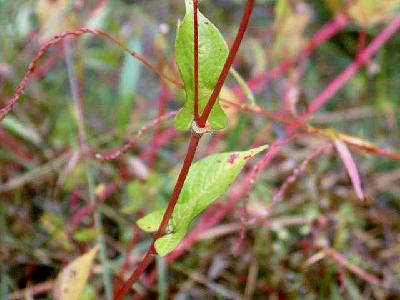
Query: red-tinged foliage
294	129
351	167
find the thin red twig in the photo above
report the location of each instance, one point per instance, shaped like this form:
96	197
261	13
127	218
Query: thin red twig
351	70
133	140
326	33
192	149
151	253
297	172
343	261
218	215
57	39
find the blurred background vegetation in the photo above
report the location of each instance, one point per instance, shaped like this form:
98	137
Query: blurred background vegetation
55	203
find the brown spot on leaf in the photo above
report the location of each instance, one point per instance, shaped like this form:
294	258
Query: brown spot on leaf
233	157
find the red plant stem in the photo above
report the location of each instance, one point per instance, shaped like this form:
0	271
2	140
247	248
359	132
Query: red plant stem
151	253
362	40
208	221
49	63
132	141
343	261
196	59
88	209
322	36
194	141
219	214
351	70
297	172
15	146
57	39
229	61
272	153
357	144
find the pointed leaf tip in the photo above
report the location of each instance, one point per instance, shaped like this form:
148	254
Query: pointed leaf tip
213	52
351	167
152	221
189	6
169	242
208	179
72	279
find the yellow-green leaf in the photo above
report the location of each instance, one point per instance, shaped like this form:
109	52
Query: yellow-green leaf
72	279
208	179
213	52
152	221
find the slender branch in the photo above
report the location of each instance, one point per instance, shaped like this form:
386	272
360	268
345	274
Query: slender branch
194	141
219	214
151	253
343	261
117	153
326	33
351	70
297	172
59	38
229	61
196	59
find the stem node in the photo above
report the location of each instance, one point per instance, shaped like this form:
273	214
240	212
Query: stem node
196	129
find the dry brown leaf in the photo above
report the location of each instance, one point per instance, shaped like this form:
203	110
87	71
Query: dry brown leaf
72	279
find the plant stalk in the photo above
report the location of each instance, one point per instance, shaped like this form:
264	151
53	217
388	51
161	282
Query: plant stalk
151	253
192	149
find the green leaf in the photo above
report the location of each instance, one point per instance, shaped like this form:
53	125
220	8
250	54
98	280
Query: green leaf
208	179
170	242
243	84
188	5
28	133
128	81
213	52
152	221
